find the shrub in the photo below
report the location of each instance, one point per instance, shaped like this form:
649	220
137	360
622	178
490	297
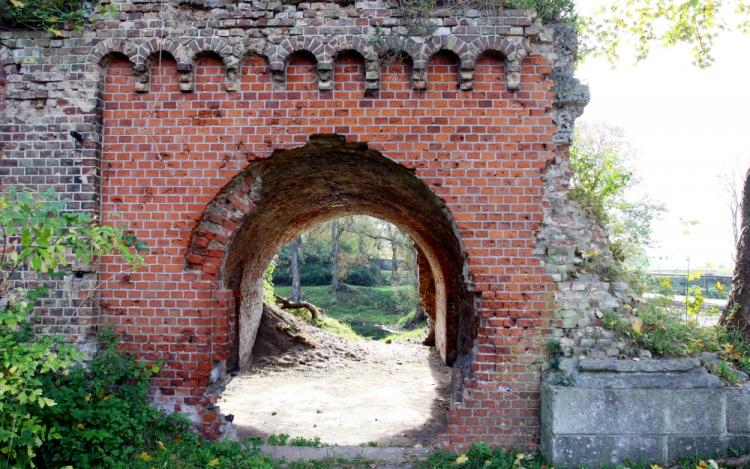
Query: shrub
663	331
41	14
38	234
102	414
362	275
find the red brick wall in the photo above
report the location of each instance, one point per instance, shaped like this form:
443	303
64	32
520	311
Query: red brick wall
167	154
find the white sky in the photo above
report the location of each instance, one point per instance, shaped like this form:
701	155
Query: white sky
687	125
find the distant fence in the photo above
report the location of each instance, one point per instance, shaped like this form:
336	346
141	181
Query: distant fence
708	282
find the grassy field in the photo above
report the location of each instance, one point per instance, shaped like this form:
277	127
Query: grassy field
362	307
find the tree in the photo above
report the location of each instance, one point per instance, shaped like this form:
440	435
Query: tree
295	247
602	182
736	315
620	25
731	182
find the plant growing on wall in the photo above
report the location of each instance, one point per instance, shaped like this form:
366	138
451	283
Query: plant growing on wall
602	182
37	234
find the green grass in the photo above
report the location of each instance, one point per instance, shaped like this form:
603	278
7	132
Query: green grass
414	336
362	308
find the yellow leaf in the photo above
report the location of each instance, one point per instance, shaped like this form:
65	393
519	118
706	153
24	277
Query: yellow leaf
656	466
144	456
720	287
81	426
17	3
55	32
666	282
462	459
636	324
213	463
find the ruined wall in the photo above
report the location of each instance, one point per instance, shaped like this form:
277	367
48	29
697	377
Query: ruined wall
148	118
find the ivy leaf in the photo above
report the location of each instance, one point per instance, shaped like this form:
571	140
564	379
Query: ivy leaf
55	32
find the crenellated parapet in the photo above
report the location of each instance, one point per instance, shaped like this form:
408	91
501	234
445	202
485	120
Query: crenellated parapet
186	52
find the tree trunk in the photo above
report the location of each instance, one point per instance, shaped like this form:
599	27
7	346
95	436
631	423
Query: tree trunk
287	304
296	282
420	315
394	255
335	253
736	315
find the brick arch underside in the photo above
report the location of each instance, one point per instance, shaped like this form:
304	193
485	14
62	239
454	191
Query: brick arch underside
273	200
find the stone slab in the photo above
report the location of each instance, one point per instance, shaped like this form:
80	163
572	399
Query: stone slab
738	411
597	451
640	366
698	378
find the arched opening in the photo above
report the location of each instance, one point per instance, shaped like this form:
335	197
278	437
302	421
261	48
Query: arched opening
326	179
344	358
297	189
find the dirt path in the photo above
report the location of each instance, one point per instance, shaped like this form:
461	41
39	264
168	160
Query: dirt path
388	394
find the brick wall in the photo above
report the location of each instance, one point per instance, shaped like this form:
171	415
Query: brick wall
180	110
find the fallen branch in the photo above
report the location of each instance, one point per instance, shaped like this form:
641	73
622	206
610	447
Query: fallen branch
739	461
286	303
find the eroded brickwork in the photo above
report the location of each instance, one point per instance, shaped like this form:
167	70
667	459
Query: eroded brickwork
159	118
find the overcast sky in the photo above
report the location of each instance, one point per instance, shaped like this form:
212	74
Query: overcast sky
687	125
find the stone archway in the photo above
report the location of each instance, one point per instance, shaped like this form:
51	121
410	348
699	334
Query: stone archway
274	199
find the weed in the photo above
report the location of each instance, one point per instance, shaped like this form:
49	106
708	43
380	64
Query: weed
278	440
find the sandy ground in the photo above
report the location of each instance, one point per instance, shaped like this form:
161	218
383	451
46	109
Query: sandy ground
393	395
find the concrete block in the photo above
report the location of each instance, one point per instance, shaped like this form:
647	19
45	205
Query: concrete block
738	411
695	447
597	451
694	412
605	411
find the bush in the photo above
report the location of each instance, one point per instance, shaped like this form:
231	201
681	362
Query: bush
190	451
362	275
662	330
102	414
41	14
37	234
25	363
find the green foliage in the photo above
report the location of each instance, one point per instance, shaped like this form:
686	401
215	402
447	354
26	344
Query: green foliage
660	328
547	10
481	456
49	15
269	295
283	439
189	451
413	336
364	242
39	235
555	352
340	328
622	25
602	182
278	440
102	415
362	274
25	363
360	308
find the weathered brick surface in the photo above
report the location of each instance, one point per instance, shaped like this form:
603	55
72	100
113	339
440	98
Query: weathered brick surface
166	117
